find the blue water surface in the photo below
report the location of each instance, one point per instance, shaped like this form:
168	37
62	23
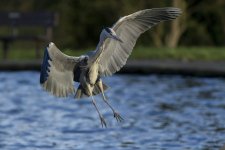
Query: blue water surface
160	112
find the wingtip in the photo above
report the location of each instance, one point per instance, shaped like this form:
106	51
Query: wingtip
45	67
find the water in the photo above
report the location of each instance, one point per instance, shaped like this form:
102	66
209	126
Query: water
160	112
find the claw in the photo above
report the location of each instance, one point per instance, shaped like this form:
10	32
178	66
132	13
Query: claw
103	122
118	117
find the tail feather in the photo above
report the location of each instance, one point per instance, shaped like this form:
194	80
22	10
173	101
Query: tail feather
97	90
80	93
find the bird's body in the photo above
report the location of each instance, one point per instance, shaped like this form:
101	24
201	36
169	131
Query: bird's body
59	71
88	79
93	73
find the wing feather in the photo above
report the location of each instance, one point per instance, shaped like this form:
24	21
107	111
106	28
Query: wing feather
57	72
114	55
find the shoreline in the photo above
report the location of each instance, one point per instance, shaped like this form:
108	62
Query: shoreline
189	68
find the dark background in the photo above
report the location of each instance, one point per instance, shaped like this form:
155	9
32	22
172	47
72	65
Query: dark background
80	22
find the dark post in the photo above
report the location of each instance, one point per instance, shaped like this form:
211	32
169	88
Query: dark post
37	48
5	48
49	34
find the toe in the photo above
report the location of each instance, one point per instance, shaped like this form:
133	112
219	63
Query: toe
118	117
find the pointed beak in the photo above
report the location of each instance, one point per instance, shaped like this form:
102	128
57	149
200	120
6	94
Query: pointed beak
117	38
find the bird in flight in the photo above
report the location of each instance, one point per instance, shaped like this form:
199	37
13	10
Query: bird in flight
59	71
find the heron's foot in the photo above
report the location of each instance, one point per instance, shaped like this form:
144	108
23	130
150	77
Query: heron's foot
118	117
103	122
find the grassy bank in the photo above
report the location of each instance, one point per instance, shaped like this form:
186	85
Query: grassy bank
181	53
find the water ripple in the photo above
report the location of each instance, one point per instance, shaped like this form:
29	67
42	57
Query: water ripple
161	112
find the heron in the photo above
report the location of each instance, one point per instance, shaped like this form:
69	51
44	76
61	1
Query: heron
59	71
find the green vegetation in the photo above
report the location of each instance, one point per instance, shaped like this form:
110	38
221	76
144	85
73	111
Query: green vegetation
181	53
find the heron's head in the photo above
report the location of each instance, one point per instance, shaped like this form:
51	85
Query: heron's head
110	33
84	58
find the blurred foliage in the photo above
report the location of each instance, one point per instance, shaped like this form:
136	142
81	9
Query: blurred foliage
81	21
140	52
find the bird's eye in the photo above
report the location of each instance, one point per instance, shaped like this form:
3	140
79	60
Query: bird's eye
86	58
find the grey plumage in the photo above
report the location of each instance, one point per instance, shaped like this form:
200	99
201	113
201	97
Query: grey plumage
129	28
59	71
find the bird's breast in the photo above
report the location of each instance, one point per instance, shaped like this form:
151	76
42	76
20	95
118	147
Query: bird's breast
93	73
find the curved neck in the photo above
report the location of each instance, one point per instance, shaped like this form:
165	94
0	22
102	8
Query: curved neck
99	47
101	41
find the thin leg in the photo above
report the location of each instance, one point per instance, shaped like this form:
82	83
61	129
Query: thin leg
116	114
90	90
100	116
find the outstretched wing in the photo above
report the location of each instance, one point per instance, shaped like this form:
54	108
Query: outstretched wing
57	72
114	54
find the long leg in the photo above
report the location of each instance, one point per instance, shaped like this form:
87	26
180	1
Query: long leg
103	122
116	114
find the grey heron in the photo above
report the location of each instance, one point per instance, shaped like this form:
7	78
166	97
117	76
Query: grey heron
59	71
